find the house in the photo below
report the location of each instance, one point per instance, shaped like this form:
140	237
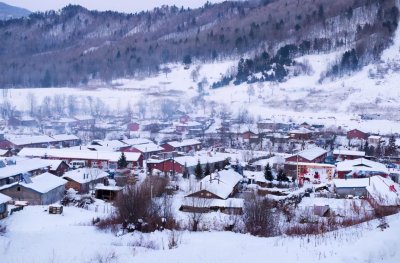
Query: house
187	164
219	185
22	121
357	134
13	170
249	137
360	168
202	205
311	172
379	190
312	155
99	159
300	134
136	141
133	127
23	141
42	189
85	120
182	146
374	140
5	153
146	150
67	140
353	187
83	179
341	155
188	126
110	145
4	199
58	167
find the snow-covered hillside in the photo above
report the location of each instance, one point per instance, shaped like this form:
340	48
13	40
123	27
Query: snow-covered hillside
339	102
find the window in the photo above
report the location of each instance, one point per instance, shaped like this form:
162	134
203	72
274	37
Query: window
18	188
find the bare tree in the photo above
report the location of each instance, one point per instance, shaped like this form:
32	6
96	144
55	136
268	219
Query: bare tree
32	103
258	216
198	208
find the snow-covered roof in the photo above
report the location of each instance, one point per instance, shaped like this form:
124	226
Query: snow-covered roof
44	183
301	130
312	153
54	163
67	153
65	137
148	148
25	140
184	143
108	187
188	124
85	175
321	165
384	191
111	143
4	198
361	164
376	137
351	183
23	166
136	141
2	152
349	152
220	183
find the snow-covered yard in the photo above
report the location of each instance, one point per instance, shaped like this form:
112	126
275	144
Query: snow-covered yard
33	235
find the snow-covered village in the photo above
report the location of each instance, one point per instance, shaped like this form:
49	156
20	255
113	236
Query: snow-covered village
253	150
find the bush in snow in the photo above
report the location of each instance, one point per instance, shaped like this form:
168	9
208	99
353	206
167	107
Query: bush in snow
258	216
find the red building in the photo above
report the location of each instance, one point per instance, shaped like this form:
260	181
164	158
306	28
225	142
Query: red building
313	155
357	134
133	127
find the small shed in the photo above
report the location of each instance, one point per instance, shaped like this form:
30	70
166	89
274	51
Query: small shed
107	192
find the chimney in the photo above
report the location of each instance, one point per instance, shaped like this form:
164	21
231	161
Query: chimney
201	184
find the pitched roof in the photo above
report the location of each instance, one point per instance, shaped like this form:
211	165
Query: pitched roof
148	148
26	140
184	143
349	152
311	154
44	183
65	137
23	166
78	154
137	141
220	183
85	175
351	183
361	164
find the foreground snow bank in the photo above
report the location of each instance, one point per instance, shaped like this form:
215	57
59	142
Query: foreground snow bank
35	236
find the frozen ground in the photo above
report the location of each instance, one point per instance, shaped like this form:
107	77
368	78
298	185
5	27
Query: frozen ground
35	236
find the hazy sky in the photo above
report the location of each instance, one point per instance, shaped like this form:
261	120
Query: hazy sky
127	6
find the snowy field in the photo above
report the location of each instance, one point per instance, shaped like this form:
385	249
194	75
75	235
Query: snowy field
33	235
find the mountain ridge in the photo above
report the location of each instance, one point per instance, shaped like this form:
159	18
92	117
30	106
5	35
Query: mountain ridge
74	45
